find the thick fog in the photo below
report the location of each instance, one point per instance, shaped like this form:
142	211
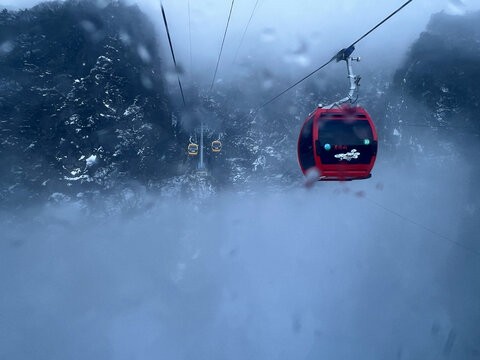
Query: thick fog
385	268
381	269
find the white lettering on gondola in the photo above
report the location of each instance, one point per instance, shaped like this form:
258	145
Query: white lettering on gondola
353	154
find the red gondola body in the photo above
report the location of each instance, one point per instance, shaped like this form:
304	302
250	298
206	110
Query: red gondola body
340	143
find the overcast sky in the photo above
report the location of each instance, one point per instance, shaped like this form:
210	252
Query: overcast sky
293	36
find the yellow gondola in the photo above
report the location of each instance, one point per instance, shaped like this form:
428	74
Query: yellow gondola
192	149
216	146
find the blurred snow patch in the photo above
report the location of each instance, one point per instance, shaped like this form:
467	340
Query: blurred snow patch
59	197
75	172
91	160
260	161
76	178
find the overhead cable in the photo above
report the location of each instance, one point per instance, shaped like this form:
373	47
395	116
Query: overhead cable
173	53
221	48
336	57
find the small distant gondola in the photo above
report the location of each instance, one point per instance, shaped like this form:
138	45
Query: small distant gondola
192	149
216	146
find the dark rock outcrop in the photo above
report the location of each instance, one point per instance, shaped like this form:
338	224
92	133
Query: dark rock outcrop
82	102
442	70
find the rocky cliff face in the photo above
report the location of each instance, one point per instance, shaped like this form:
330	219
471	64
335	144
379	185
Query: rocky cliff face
442	70
82	102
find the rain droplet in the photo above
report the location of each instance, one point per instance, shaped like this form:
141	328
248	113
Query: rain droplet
146	81
88	26
456	7
144	54
125	38
6	47
268	35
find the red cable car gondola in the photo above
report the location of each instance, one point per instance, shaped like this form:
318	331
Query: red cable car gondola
339	142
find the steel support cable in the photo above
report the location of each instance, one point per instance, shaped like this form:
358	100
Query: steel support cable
292	86
382	22
223	43
245	32
427	229
333	58
439	126
190	38
173	53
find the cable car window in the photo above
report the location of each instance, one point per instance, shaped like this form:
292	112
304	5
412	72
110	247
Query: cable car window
340	137
305	146
338	132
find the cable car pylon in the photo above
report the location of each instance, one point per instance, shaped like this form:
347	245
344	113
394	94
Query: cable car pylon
201	169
